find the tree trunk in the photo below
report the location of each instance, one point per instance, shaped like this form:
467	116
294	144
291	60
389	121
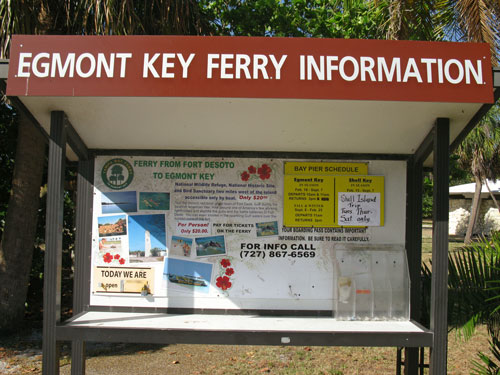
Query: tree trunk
476	202
16	248
492	195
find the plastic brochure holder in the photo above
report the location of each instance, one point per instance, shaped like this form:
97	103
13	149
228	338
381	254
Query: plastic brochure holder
371	283
397	271
381	285
343	288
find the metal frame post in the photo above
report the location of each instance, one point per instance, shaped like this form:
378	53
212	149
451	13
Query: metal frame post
53	240
439	288
414	191
81	283
414	237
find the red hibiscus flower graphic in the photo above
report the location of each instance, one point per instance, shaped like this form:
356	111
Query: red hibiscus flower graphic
245	176
122	261
223	283
117	256
107	258
229	271
252	169
264	172
225	263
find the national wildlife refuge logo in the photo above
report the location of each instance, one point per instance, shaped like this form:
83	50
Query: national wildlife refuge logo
117	174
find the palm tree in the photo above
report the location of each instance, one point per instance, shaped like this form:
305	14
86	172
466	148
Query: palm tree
480	153
459	20
410	19
93	17
472	21
64	17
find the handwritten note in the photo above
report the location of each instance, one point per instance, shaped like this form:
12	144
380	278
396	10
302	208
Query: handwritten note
359	209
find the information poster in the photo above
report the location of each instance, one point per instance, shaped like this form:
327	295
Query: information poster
309	201
124	280
193	232
315	195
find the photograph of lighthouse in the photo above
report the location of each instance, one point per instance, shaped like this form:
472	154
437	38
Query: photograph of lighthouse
147	238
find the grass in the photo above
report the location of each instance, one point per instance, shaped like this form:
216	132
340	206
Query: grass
281	360
185	359
454	242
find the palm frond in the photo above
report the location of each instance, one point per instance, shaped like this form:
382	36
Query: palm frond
476	21
17	17
472	271
410	19
486	366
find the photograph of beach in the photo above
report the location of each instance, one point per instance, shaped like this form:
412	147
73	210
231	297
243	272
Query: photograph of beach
117	202
115	225
180	246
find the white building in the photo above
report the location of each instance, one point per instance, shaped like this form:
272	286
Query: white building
461	204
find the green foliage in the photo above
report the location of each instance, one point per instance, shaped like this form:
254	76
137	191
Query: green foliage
427	196
471	272
486	365
480	150
473	284
458	176
146	17
34	301
90	17
471	21
479	153
8	135
362	21
296	18
411	20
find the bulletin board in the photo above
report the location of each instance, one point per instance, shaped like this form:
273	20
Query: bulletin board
240	233
250	233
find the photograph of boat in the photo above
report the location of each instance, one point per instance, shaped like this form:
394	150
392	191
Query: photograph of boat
186	276
187	280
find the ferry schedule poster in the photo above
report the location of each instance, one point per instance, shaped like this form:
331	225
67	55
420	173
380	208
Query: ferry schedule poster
222	232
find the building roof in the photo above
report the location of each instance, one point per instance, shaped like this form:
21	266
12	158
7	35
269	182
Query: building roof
343	105
469	189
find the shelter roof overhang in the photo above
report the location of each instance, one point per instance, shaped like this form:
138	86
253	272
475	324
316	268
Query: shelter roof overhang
251	94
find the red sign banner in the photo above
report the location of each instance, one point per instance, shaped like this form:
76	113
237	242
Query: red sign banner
248	67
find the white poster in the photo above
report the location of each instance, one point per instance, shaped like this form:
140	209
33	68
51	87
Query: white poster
211	230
